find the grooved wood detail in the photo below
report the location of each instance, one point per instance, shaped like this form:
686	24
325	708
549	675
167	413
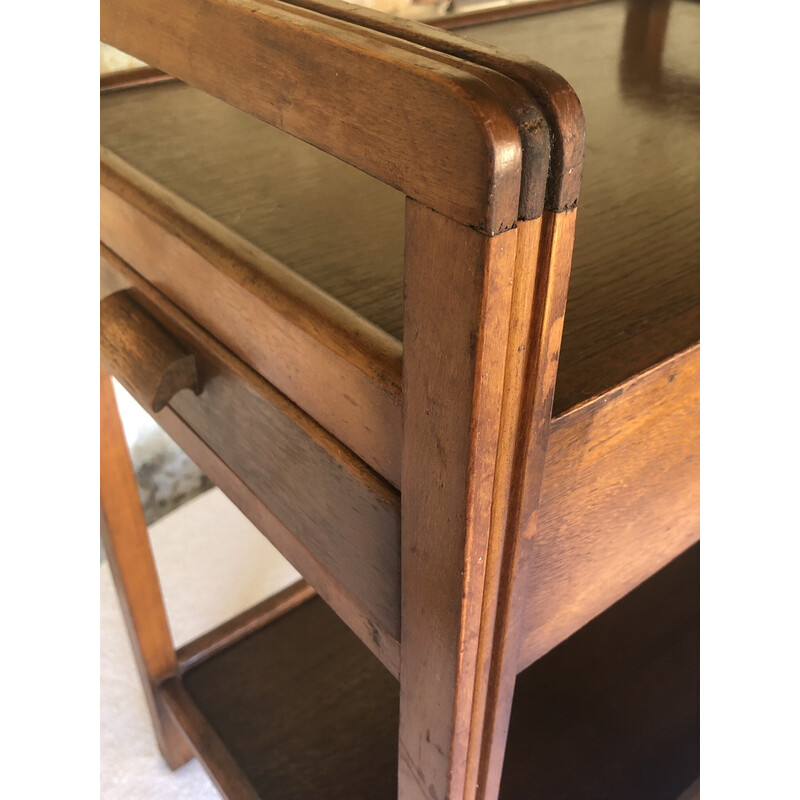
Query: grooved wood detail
634	289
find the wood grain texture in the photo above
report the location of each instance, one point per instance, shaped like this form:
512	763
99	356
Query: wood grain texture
127	546
487	65
548	107
634	290
343	518
620	498
143	357
237	628
313	88
342	599
220	765
540	289
304	709
269	317
458	288
612	712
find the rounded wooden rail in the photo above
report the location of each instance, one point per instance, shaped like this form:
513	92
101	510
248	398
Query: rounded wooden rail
433	130
145	358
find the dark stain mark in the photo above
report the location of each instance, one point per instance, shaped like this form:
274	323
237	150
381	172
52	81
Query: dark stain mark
473	344
376	634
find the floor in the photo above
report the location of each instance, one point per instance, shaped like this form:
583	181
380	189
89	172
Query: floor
212	565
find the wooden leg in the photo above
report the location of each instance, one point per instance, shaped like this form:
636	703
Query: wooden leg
482	331
536	327
458	308
127	546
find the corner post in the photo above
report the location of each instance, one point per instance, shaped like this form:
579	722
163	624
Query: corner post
127	546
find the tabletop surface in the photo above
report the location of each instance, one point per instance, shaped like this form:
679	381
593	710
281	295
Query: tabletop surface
634	291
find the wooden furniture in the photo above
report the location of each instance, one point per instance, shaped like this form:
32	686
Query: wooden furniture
336	259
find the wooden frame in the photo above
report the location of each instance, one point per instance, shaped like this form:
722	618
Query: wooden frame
463	578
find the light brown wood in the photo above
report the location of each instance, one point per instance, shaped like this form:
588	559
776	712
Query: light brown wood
634	289
532	126
128	78
266	314
331	516
340	598
541	279
131	560
457	312
235	629
547	108
508	547
631	674
141	355
449	143
620	498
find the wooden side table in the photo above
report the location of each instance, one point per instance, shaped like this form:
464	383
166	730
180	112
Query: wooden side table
365	353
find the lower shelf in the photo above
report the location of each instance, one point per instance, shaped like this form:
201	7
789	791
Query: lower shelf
305	710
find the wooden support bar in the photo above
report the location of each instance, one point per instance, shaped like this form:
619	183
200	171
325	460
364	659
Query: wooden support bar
131	560
457	313
207	746
450	143
141	355
233	630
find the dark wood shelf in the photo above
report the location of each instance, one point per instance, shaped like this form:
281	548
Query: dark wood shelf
305	710
634	291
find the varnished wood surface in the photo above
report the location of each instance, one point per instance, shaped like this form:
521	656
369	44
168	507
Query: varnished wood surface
267	314
432	130
543	106
458	312
334	519
633	298
634	290
620	498
127	545
242	625
225	772
144	357
259	181
612	713
304	709
609	464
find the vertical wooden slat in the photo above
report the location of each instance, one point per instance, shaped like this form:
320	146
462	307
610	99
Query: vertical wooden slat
483	328
529	394
127	546
458	288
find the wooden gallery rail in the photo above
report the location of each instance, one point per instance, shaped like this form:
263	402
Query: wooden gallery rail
336	251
